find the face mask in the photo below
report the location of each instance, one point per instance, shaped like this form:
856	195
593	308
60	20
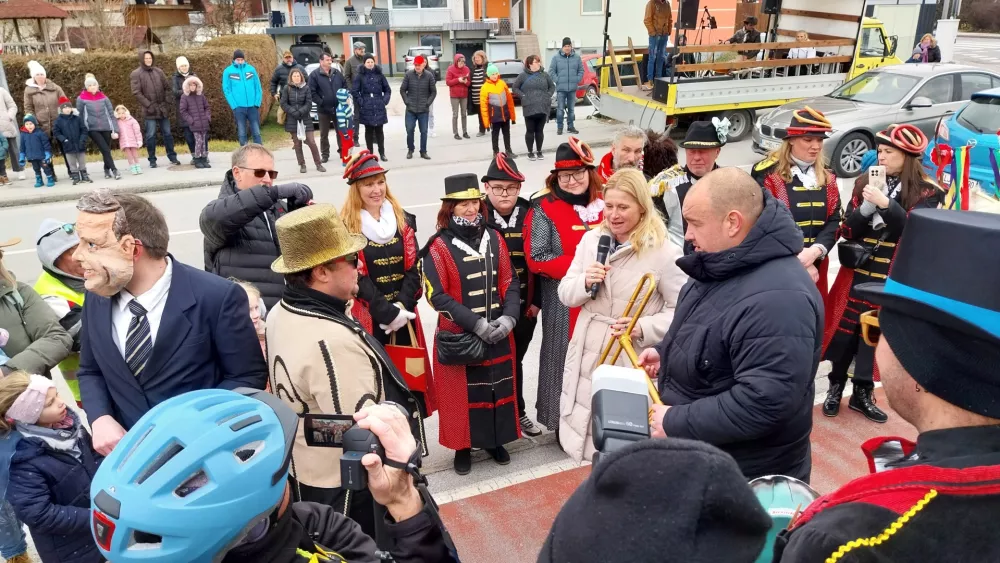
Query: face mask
107	262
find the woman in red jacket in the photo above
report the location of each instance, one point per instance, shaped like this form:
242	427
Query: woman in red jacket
568	206
458	79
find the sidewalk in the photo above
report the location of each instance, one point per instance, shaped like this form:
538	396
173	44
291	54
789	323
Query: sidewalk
443	149
979	35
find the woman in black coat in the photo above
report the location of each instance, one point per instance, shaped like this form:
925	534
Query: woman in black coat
296	102
371	93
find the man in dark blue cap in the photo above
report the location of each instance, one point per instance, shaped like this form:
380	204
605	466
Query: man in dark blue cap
937	338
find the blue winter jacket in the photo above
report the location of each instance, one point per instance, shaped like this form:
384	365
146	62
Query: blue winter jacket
566	71
241	85
738	363
50	492
71	132
35	145
371	96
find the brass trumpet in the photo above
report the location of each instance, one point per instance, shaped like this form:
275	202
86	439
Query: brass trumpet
624	340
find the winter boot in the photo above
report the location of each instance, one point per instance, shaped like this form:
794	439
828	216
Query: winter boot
117	174
75	176
107	174
303	170
84	177
831	406
205	163
4	181
863	401
38	181
196	161
51	180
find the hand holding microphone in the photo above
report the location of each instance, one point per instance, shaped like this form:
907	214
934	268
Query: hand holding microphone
595	274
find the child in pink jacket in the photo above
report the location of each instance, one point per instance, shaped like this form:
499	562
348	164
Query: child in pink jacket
129	138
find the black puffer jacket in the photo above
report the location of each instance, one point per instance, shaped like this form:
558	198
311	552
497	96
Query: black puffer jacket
296	101
738	363
324	89
279	78
240	239
177	88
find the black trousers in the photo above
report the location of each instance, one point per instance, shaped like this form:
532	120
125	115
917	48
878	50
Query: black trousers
103	141
327	122
523	332
188	137
375	135
864	364
501	127
361	510
14	153
482	124
534	134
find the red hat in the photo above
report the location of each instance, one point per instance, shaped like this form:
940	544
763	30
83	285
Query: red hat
63	100
420	60
363	165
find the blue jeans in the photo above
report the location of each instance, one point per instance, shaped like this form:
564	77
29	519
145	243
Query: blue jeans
657	53
565	101
168	139
12	541
412	120
244	115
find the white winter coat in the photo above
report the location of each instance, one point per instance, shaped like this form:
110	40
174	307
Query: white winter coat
8	115
593	326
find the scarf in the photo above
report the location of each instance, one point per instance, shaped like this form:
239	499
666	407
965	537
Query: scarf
63	438
925	53
572	199
470	232
314	301
383	229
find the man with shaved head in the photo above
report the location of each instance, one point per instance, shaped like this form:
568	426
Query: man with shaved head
736	368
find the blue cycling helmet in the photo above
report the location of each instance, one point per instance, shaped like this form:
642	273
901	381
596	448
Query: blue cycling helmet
782	497
191	478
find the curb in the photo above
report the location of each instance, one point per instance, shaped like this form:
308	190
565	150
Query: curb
980	35
54	197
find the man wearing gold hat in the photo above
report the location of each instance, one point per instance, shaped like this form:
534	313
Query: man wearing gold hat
320	360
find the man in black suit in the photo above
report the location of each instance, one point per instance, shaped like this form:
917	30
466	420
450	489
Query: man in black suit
153	328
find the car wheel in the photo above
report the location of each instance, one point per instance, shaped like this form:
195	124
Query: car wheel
848	154
594	97
740	124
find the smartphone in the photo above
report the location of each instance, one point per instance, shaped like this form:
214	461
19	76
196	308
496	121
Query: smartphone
876	177
326	430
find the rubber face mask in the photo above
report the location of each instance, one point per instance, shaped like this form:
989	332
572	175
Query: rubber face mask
107	261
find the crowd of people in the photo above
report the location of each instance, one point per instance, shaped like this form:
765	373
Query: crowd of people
305	309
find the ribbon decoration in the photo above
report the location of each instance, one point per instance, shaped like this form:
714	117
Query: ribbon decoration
994	158
941	156
721	128
958	192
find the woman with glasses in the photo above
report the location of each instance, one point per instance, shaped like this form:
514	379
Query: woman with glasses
873	224
469	281
562	212
639	246
389	284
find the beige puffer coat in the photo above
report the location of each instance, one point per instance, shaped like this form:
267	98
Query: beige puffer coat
593	326
43	102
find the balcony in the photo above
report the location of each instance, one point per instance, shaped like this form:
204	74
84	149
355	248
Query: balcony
419	20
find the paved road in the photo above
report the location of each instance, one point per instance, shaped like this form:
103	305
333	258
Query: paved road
979	51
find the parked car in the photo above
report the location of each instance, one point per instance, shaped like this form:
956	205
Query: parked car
910	93
977	125
432	55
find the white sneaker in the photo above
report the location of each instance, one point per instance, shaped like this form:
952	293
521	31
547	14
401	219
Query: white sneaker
20	175
433	133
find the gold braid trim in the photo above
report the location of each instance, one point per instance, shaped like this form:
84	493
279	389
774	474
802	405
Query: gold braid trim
886	533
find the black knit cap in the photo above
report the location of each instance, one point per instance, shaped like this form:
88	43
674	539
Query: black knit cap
661	500
940	308
504	169
238	54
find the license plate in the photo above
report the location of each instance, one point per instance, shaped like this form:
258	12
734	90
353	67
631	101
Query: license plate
769	145
946	182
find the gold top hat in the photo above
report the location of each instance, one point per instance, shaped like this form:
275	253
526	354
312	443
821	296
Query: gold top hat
312	236
12	242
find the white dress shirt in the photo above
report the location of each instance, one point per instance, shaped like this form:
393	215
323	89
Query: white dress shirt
154	301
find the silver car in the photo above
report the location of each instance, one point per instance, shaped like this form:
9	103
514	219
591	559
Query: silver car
908	93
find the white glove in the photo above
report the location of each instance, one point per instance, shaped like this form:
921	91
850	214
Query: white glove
400	321
114	135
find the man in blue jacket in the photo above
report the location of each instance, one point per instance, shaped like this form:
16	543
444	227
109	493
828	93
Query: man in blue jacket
152	327
241	85
737	366
566	70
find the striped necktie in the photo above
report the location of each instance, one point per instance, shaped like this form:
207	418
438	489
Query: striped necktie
139	342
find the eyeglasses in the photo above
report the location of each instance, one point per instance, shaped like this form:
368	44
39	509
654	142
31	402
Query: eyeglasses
68	228
870	329
578	175
502	191
351	259
261	172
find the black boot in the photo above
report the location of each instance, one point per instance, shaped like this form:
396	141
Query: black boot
84	177
831	406
463	461
75	176
500	455
863	401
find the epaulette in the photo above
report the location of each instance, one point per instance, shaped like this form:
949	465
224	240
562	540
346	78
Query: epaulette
666	179
540	193
764	164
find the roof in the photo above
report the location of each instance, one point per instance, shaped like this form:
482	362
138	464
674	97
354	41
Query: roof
30	9
927	69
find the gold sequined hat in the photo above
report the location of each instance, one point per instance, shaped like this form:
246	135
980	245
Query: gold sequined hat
311	236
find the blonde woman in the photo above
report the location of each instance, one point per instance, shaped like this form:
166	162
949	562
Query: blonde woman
798	176
929	50
639	246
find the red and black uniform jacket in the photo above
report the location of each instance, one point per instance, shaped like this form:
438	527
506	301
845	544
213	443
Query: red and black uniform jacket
938	502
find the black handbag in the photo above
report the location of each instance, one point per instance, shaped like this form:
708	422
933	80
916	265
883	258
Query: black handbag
854	255
460	349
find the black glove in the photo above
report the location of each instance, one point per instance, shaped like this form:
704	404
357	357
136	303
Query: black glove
297	194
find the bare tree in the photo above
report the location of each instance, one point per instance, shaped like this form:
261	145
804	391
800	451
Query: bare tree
227	17
106	26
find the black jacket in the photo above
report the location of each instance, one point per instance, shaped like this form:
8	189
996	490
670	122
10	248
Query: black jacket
738	363
177	88
418	91
240	240
324	89
296	102
71	132
306	525
279	78
950	527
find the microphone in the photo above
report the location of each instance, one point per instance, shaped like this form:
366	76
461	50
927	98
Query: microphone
603	248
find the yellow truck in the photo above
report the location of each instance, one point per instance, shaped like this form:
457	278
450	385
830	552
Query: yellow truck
719	80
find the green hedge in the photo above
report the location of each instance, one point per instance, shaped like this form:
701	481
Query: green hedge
113	69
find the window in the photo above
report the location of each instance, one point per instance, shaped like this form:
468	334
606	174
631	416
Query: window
592	7
872	44
982	115
876	88
974	82
939	89
406	4
431	40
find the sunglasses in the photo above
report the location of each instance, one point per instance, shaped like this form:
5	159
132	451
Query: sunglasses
261	172
68	228
870	329
351	259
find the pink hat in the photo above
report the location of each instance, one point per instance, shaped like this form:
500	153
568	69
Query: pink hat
29	404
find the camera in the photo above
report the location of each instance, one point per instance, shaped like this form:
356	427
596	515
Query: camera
619	407
340	431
